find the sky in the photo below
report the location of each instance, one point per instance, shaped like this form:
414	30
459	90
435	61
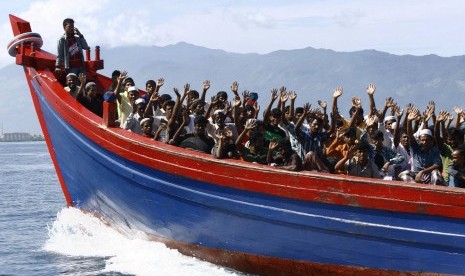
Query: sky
252	26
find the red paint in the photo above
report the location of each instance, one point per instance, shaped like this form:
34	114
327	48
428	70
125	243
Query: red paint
43	125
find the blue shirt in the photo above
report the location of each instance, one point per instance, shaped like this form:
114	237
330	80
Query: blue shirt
422	160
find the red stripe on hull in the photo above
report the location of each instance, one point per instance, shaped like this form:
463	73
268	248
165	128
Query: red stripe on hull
270	266
43	125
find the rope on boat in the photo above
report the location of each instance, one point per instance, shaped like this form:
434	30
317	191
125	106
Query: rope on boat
25	38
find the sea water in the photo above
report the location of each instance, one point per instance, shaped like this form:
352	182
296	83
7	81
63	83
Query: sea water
40	236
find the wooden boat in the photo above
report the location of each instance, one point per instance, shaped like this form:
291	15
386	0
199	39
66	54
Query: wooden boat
249	217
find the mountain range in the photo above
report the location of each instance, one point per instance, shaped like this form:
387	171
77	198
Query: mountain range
312	73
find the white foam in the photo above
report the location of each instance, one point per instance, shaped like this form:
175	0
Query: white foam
74	233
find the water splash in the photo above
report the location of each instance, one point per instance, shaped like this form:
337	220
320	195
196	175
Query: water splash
76	234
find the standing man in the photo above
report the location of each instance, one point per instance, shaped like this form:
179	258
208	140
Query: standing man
70	46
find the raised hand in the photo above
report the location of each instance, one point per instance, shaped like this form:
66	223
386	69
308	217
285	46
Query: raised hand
122	76
432	106
389	102
245	95
414	114
457	110
371	88
176	91
409	107
186	88
82	78
307	107
357	102
160	82
234	87
292	95
337	92
250	124
274	94
206	85
322	104
284	97
442	116
154	97
399	112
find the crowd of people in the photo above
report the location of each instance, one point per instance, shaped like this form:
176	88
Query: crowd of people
389	142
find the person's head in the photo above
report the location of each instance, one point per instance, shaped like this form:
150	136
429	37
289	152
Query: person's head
150	86
388	122
222	96
359	118
141	104
404	138
287	112
163	98
200	124
454	137
458	157
219	117
363	149
425	140
128	82
192	95
299	112
168	107
378	138
275	116
197	107
349	135
68	26
133	94
71	80
315	125
91	89
115	75
146	125
249	112
372	129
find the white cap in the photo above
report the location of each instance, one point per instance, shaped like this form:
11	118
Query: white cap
390	118
139	101
426	131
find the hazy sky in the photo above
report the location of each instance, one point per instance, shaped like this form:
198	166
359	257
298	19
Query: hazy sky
398	27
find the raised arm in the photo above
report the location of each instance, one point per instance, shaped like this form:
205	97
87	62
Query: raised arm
398	113
371	88
234	88
205	87
336	94
458	111
302	118
412	115
442	116
325	115
274	96
292	96
340	165
120	79
357	103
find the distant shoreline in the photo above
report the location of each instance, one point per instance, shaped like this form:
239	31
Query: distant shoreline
20	137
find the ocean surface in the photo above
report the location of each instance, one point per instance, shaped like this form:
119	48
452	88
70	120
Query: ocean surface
39	235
